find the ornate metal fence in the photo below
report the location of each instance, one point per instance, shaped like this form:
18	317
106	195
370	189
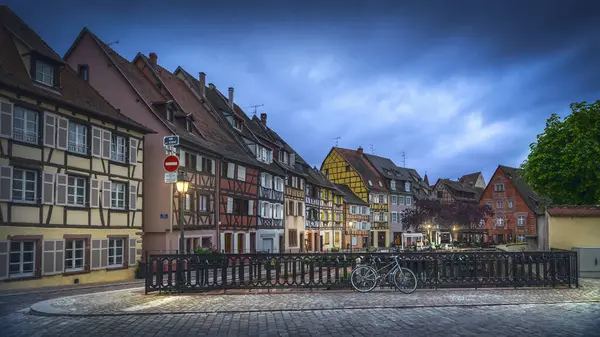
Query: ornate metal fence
192	272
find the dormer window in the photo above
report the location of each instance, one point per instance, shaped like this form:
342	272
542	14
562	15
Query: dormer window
393	185
188	125
44	73
169	115
83	71
370	183
407	186
380	184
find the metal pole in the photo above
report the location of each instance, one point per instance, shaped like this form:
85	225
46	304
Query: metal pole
181	240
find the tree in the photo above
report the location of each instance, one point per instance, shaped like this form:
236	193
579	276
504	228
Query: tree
564	162
463	214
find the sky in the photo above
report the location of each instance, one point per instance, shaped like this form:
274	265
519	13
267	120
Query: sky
445	87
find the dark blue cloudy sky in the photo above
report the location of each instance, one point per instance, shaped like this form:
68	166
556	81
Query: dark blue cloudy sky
459	86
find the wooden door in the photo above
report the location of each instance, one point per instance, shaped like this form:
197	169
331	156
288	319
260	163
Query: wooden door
253	242
281	244
228	243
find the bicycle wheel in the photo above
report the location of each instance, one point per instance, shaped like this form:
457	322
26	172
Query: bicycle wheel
364	279
405	281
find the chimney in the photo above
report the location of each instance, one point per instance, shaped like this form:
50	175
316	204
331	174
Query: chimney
202	80
231	97
360	150
153	60
263	118
212	86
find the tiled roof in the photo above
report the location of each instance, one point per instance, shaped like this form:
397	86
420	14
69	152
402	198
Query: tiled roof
470	179
362	165
455	186
74	91
575	211
529	196
387	168
350	197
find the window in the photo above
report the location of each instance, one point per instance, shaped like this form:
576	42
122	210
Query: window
293	237
521	220
440	194
83	71
190	160
499	221
489	203
115	252
499	204
498	187
118	195
77	138
241	173
25	125
352	209
24	185
521	237
300	209
510	204
22	258
364	211
401	200
408	200
327	172
117	149
393	185
394	200
188	125
76	191
188	202
278	184
370	183
44	73
326	238
407	186
394	217
337	237
207	165
381	199
169	115
380	184
347	168
74	254
203	204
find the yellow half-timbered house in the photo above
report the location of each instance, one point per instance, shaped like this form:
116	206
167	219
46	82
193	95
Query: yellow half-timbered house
70	171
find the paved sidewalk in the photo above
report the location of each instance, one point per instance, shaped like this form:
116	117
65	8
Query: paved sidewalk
134	302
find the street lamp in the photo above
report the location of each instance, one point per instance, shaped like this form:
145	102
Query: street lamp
182	185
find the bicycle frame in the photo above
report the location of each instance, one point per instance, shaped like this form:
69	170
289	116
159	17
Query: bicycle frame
391	272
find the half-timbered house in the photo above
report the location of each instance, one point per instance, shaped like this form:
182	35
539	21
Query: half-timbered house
312	222
149	94
71	171
267	229
357	222
351	168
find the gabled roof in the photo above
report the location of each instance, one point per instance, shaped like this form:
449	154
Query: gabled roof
350	197
74	91
470	179
575	211
363	167
529	196
387	168
454	187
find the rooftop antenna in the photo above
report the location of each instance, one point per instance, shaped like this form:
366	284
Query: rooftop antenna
372	149
403	155
254	106
114	42
337	141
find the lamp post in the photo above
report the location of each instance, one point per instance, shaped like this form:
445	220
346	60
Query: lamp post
428	233
181	185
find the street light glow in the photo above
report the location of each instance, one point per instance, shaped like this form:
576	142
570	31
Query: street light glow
182	183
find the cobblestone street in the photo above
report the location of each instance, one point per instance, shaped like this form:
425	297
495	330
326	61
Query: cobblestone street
491	312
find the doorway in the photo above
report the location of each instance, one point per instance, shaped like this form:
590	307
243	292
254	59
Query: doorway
268	245
302	242
253	242
240	243
381	239
228	243
281	244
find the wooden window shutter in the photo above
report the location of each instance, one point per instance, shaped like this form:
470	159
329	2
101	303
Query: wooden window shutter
53	257
49	129
133	196
94	193
106	138
229	205
96	250
47	188
96	142
181	158
6	119
6	174
104	253
61	189
212	166
198	163
62	138
250	207
132	251
4	245
133	151
106	193
230	170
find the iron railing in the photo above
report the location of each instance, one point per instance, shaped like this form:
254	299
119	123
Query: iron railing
199	272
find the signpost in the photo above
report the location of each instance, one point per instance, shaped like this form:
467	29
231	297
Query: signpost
171	163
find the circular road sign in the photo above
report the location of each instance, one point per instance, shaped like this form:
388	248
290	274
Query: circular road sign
171	163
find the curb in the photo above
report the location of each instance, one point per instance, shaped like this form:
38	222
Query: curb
60	289
45	309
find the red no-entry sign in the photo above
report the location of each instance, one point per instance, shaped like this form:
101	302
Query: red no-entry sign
171	164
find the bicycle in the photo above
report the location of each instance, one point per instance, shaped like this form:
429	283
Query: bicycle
366	277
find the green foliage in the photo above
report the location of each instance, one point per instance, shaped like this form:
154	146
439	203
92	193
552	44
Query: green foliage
564	162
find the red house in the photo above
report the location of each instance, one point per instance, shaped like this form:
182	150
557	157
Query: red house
516	207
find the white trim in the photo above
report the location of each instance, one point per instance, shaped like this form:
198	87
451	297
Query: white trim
66	134
10	183
10	116
51	183
49	140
